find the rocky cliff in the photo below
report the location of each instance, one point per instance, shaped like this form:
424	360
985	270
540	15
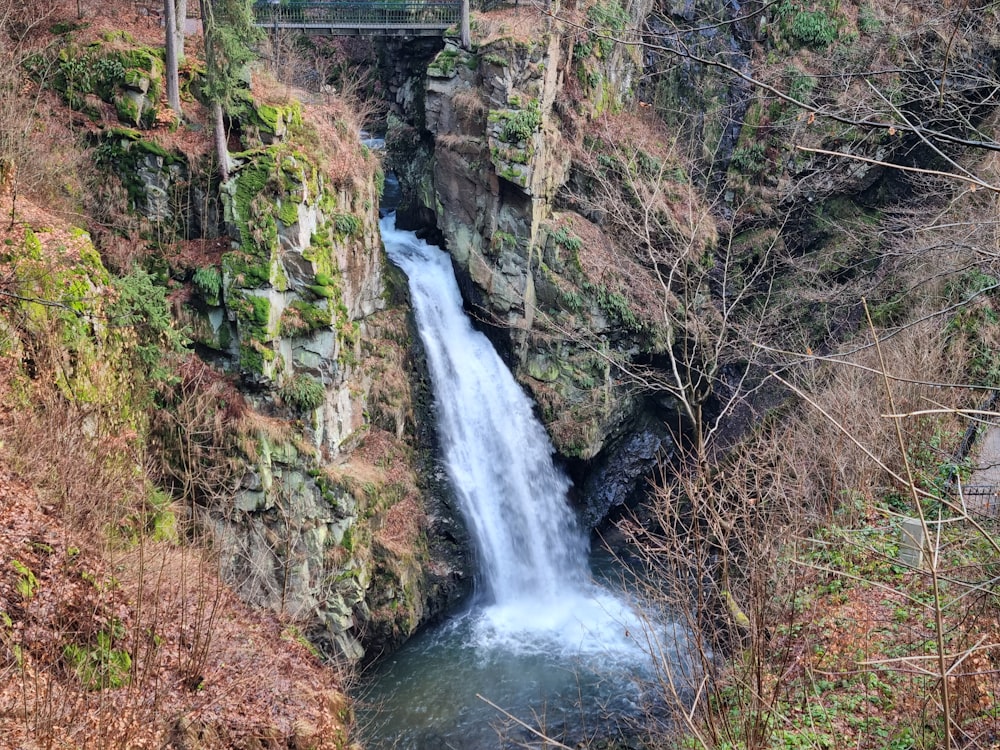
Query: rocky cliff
296	446
493	152
629	227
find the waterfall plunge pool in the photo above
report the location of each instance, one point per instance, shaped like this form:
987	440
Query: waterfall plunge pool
541	640
574	682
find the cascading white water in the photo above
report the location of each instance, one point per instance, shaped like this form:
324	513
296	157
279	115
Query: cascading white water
532	554
497	454
541	639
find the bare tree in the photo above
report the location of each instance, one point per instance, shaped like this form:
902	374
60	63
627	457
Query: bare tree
171	41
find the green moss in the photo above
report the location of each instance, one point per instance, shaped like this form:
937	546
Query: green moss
269	116
268	187
95	70
251	180
326	292
288	213
251	359
320	251
275	118
259	311
126	153
301	317
246	270
127	110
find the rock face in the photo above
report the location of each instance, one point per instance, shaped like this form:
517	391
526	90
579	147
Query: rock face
490	155
298	309
302	475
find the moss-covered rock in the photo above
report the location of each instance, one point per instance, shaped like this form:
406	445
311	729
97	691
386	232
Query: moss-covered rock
152	176
128	77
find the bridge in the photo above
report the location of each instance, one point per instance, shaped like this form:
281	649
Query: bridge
362	17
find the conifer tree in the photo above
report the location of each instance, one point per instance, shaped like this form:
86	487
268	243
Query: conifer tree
230	35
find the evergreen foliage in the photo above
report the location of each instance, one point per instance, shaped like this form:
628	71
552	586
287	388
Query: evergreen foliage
140	305
302	393
230	36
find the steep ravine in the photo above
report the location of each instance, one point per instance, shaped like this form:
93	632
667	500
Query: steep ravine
488	153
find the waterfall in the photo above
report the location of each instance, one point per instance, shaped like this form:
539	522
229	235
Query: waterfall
542	639
532	555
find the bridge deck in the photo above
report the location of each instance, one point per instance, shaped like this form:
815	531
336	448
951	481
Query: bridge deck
362	16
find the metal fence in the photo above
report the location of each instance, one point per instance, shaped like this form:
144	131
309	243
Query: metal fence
360	13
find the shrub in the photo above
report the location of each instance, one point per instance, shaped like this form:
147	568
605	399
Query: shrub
521	125
749	160
808	28
99	667
208	281
140	305
347	224
800	85
569	241
302	392
868	22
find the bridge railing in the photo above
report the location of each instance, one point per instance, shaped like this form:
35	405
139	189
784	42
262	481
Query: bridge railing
389	13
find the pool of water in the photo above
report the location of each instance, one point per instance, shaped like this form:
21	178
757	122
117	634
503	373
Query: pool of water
437	692
581	675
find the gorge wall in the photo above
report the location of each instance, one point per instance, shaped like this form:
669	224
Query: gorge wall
630	223
295	439
491	153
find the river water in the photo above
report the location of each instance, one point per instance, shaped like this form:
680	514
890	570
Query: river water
541	639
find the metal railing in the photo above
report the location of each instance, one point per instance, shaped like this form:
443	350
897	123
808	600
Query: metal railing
343	14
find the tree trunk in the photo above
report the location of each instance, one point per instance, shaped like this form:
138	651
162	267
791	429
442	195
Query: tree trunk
181	18
221	147
219	124
466	27
173	84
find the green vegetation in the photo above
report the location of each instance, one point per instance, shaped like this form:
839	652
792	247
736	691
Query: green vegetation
231	34
27	584
801	85
208	281
518	125
130	78
100	666
605	18
139	312
301	318
750	159
347	225
571	242
302	392
443	66
805	27
868	21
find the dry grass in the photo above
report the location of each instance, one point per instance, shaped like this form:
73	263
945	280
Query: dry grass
517	24
71	506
